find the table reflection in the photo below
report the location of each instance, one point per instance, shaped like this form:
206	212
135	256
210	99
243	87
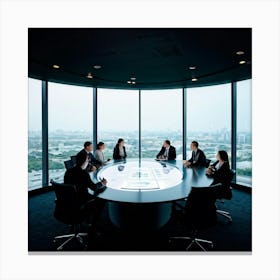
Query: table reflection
141	175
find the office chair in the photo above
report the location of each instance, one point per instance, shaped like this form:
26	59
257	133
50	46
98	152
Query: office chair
207	162
199	213
226	193
68	211
68	164
73	158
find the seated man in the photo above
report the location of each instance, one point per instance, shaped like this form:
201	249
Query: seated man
198	157
167	151
79	177
93	164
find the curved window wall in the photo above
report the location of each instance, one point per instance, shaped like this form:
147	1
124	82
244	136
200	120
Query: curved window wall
161	119
244	133
209	119
34	134
70	124
143	118
118	117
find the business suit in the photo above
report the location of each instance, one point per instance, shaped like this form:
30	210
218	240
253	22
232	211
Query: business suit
91	160
171	153
198	158
222	175
92	206
81	179
116	154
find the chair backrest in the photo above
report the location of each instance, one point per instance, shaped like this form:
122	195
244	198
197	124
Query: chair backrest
67	204
74	159
207	162
68	164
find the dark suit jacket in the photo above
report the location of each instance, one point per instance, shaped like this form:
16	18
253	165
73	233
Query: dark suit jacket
92	161
81	179
199	159
116	154
223	175
171	153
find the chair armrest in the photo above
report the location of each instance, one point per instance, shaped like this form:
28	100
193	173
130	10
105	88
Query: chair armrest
217	185
83	206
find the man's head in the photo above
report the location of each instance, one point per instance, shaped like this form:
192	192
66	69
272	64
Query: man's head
82	160
166	143
88	146
194	145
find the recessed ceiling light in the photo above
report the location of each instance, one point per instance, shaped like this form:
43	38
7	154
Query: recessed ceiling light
239	52
133	83
133	78
89	75
97	66
194	79
242	62
55	66
129	82
192	67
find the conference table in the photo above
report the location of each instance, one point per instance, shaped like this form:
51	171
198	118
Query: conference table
140	192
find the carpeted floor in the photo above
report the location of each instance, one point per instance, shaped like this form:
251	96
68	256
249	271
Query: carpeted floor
226	237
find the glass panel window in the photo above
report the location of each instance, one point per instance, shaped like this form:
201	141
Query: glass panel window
244	133
118	117
34	134
70	124
209	119
161	119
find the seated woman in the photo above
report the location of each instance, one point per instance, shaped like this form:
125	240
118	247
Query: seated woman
99	155
220	170
119	150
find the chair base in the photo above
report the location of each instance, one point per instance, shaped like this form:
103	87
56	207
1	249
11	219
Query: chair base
77	236
224	214
194	240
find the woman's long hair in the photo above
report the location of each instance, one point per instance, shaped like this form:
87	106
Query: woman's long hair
223	155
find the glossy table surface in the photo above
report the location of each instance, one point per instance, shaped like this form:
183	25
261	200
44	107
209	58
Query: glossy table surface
148	180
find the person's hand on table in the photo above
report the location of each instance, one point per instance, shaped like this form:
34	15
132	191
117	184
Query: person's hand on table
209	171
104	182
93	168
187	164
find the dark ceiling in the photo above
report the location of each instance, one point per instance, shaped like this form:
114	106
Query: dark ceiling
156	57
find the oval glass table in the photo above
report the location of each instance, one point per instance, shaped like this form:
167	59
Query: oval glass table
140	193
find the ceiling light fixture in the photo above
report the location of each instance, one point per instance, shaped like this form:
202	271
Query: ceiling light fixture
129	82
97	67
133	78
192	67
89	76
242	62
55	66
194	79
133	83
239	52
